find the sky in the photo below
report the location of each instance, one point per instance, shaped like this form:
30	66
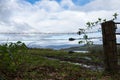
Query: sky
52	16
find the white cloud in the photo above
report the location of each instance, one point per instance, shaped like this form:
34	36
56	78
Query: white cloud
97	5
67	4
51	16
51	6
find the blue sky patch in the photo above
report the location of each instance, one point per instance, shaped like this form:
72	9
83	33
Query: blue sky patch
81	2
76	2
32	1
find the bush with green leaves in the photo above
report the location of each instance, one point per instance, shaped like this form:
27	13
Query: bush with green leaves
11	57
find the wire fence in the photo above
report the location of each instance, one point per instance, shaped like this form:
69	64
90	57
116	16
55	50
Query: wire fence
51	39
38	34
44	33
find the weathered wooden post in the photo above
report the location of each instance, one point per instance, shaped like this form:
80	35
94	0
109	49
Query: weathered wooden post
110	48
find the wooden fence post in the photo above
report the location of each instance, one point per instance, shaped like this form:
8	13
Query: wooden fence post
109	45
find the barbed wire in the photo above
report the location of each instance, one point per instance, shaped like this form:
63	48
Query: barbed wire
90	38
52	39
44	32
33	33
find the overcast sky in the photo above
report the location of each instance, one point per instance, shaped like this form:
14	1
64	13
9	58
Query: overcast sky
52	16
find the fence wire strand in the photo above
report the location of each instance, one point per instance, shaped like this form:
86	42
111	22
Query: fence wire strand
44	33
91	38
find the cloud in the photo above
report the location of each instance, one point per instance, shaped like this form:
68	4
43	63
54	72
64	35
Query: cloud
50	6
47	16
4	10
51	16
97	5
67	4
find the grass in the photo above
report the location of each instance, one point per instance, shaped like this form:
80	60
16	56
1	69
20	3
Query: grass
32	65
73	57
36	67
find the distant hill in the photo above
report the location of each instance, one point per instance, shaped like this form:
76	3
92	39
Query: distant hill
84	48
60	46
56	47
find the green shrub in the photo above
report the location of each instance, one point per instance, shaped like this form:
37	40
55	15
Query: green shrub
11	57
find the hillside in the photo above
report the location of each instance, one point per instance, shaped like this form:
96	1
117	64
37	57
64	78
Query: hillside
85	48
